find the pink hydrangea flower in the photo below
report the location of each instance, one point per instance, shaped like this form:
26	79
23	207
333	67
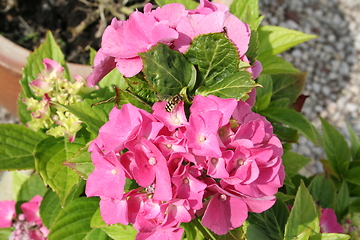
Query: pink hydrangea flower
123	40
7	212
223	156
172	25
328	222
27	225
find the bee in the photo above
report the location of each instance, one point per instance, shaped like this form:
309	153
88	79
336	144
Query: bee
173	102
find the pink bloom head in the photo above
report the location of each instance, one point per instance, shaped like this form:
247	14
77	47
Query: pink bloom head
123	40
108	177
31	209
328	222
7	213
52	68
197	23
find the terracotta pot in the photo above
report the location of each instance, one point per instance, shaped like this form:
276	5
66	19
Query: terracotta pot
12	60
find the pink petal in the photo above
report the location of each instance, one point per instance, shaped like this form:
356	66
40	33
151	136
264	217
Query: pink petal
328	222
114	210
259	205
161	234
108	177
52	67
7	213
238	32
203	104
103	65
170	14
172	120
129	66
31	209
224	213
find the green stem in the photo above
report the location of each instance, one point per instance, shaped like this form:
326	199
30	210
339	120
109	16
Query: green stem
206	232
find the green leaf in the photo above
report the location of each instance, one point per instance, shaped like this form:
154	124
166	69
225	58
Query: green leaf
303	215
292	119
73	221
17	144
305	235
288	86
352	175
342	201
50	208
167	71
113	78
254	232
23	113
5	233
285	134
189	4
253	51
192	232
264	93
355	206
92	53
274	40
355	143
93	116
141	89
96	220
120	232
277	65
96	233
323	191
116	231
293	162
215	57
128	97
329	236
239	8
271	222
336	149
81	163
50	155
284	197
236	86
32	186
50	205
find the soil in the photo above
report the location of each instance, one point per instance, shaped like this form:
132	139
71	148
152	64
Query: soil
77	25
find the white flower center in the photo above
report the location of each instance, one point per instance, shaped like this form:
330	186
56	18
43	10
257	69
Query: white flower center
223	197
152	161
202	139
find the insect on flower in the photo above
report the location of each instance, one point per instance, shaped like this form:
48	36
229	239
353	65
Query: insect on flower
172	102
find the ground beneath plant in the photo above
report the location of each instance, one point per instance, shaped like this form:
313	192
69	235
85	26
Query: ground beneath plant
77	25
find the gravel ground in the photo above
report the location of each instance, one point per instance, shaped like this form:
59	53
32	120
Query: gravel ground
331	60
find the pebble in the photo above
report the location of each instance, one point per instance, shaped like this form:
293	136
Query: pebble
331	60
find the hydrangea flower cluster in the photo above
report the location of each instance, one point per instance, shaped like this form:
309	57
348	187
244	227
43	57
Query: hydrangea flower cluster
172	25
27	225
51	89
220	163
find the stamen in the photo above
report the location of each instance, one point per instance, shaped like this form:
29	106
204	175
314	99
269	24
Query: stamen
202	138
223	197
152	161
240	162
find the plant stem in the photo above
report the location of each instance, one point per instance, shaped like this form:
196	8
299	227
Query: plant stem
206	232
